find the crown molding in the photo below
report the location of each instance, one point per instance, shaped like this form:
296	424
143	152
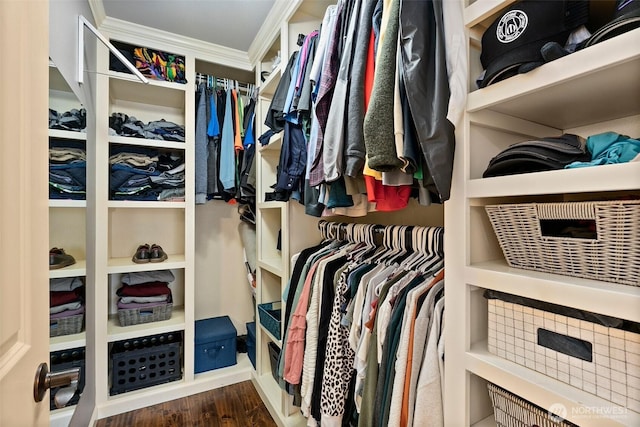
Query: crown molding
281	11
98	12
154	38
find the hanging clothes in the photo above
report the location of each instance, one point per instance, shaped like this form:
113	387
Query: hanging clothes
352	307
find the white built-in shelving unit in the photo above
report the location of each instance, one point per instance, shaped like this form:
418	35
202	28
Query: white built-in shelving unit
588	92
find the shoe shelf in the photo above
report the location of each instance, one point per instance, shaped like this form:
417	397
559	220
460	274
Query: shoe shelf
275	143
272	265
126	265
75	270
270	84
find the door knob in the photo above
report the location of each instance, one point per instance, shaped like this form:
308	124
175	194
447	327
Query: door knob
68	379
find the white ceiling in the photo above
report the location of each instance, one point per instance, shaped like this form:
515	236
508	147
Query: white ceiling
229	23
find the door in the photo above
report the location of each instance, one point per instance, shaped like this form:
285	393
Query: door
24	225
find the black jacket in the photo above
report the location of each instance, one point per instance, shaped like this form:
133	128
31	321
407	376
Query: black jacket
424	71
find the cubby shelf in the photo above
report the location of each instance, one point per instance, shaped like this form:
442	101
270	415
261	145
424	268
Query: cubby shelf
115	332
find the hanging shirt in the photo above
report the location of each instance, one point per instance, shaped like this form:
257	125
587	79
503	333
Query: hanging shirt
227	156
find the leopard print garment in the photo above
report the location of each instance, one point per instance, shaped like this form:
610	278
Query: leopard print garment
339	360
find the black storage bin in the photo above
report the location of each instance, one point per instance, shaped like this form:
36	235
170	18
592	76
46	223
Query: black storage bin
144	362
274	355
67	359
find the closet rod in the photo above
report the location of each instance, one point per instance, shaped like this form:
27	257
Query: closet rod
203	78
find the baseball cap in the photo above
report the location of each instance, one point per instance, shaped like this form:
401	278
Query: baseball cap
626	17
513	41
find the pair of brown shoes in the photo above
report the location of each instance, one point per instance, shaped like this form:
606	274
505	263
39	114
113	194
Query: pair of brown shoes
146	253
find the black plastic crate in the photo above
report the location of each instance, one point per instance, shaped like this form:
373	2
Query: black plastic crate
144	362
67	359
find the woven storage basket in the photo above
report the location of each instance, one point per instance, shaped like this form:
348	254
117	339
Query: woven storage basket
612	256
576	348
270	315
510	410
66	325
145	315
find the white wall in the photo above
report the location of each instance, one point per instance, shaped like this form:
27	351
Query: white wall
221	286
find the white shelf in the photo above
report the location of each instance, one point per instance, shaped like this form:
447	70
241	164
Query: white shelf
155	143
582	408
556	93
271	336
611	299
67	134
242	366
615	177
125	265
139	204
67	203
157	93
270	84
271	205
76	270
61	417
272	265
269	391
152	82
67	341
115	332
275	143
481	10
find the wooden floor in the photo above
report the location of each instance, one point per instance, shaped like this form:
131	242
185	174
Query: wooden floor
237	405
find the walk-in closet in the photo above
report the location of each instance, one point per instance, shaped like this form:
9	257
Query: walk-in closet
375	213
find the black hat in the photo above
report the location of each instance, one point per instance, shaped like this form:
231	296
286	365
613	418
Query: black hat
517	36
626	17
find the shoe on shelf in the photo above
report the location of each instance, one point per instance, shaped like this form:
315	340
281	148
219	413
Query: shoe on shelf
59	259
157	254
142	254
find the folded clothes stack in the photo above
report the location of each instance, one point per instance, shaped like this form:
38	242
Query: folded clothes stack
67	170
143	173
66	297
124	125
145	290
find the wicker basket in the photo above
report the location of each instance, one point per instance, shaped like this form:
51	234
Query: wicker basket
609	257
270	315
572	346
66	325
510	410
136	316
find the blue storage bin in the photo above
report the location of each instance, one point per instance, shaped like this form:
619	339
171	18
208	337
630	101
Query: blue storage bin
251	342
215	344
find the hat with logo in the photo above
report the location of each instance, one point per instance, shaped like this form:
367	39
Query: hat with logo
513	41
626	17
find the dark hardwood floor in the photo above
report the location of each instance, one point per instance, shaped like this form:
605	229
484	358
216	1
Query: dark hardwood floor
237	405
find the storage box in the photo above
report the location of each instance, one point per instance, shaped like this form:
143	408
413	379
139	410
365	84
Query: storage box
591	352
67	359
270	317
215	344
527	237
510	410
251	342
143	362
274	355
66	325
135	316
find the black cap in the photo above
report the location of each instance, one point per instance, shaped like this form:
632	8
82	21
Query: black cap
626	17
517	36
